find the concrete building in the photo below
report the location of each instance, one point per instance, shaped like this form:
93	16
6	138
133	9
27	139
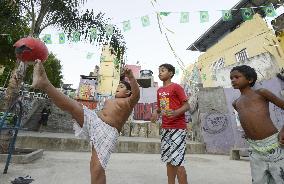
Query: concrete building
278	26
109	73
225	45
230	42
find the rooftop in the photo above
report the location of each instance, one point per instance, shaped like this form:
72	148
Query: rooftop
220	28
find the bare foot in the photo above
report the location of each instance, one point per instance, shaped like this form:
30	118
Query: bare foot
40	79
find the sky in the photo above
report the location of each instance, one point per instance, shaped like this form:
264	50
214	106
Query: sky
144	44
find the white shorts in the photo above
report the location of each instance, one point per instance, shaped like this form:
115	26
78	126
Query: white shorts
102	136
267	160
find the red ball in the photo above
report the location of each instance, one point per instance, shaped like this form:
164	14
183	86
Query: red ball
30	49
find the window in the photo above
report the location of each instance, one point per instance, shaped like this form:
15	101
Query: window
242	55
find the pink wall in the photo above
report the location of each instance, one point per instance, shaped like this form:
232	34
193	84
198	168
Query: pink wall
135	69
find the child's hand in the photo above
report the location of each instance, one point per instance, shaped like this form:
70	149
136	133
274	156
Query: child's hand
281	137
128	73
171	113
154	117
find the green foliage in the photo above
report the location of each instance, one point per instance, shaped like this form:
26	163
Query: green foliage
69	16
13	27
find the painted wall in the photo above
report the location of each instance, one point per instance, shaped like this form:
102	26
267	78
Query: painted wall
264	64
109	73
146	104
87	90
281	40
253	35
135	69
214	121
219	125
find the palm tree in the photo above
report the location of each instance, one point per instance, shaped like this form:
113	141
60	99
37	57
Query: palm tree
62	14
65	15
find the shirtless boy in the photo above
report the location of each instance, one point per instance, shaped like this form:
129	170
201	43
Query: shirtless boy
266	142
101	128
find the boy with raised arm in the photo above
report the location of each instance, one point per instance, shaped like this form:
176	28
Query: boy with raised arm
101	128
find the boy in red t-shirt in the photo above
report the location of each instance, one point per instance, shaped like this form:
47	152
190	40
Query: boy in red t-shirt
172	104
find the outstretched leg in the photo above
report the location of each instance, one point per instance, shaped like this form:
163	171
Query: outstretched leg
97	172
40	81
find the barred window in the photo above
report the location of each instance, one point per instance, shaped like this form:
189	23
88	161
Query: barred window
242	55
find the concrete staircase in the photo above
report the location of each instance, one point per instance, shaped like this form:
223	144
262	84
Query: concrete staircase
68	142
30	121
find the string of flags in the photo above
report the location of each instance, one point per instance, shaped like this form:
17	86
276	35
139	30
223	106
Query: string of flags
246	13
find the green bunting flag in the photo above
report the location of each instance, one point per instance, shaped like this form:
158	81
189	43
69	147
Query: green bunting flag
109	30
126	25
116	61
47	39
76	36
247	13
89	55
204	76
93	33
102	59
61	38
165	13
227	15
269	11
145	21
184	17
204	16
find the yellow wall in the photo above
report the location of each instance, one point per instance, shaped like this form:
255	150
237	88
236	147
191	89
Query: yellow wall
281	40
253	35
108	76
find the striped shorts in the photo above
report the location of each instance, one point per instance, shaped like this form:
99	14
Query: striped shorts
102	136
173	145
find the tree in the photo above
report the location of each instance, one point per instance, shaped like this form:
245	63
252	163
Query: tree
65	15
12	28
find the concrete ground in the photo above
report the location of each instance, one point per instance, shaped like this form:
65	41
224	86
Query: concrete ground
126	168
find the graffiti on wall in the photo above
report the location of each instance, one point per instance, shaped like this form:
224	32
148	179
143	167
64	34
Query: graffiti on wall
87	89
215	123
143	111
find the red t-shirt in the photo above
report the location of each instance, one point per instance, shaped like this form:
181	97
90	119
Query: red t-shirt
171	97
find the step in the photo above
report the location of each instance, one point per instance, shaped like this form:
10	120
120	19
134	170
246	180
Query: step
68	142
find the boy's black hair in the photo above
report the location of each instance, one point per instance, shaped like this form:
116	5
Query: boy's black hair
169	67
126	84
248	72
